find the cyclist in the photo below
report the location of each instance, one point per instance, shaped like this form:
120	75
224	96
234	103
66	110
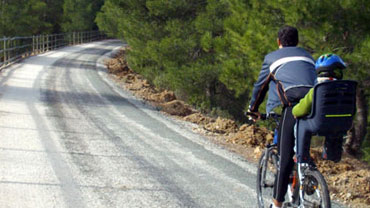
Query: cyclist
287	74
328	67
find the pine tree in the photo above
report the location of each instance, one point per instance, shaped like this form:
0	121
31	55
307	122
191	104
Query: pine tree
22	18
80	15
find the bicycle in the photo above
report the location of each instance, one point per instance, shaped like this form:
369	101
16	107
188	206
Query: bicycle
307	187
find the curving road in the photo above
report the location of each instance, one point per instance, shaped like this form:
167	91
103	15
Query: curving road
71	138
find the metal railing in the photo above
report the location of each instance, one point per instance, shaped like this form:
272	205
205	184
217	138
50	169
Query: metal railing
16	48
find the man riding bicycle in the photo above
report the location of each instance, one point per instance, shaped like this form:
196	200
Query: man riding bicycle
287	74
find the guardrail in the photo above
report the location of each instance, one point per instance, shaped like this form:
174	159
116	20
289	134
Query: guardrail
16	48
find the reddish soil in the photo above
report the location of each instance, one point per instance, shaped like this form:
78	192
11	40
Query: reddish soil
348	180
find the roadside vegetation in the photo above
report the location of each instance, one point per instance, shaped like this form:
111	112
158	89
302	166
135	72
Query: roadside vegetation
35	17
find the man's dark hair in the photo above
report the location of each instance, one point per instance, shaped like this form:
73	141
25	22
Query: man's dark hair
288	36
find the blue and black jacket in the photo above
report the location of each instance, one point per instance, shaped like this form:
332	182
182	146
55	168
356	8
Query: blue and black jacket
283	73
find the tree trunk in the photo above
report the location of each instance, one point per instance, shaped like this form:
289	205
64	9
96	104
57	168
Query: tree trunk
358	132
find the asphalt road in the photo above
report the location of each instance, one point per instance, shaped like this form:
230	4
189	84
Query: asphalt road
72	138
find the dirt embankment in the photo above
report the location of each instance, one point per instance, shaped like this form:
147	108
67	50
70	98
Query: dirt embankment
348	180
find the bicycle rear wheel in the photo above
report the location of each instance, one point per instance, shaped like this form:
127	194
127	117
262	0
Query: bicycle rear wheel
266	173
316	192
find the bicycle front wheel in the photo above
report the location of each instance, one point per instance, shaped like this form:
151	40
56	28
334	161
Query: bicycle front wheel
266	172
316	192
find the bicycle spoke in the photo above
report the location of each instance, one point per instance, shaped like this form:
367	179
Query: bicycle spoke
318	193
313	204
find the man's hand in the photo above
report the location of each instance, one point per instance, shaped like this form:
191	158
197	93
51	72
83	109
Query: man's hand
254	116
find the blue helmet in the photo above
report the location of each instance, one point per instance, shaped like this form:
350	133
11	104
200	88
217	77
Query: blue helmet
330	65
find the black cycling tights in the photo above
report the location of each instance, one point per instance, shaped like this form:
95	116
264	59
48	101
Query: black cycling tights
286	151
